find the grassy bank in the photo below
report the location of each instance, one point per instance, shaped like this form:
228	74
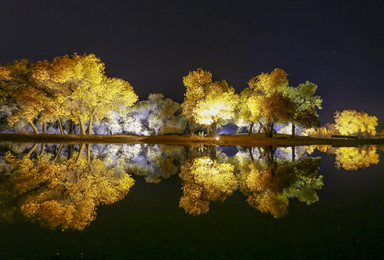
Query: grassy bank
243	140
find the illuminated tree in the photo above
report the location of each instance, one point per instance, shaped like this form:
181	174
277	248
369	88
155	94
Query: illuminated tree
208	103
25	100
205	180
197	84
88	94
268	102
351	122
217	107
307	103
156	115
244	116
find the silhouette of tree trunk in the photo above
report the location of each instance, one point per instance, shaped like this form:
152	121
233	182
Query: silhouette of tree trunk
70	127
293	130
250	128
214	128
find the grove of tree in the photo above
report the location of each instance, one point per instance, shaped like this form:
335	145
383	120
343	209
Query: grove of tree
75	90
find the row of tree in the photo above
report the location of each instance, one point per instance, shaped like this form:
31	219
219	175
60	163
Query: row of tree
268	100
75	90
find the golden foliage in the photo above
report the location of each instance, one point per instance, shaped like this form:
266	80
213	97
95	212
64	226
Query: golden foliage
269	83
268	186
218	105
351	122
64	195
205	101
74	87
205	180
353	158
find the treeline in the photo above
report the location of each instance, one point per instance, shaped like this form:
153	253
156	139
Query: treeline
74	90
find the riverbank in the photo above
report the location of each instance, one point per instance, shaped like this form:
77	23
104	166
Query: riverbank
227	140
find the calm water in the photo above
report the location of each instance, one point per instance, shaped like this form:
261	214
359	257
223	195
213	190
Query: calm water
194	202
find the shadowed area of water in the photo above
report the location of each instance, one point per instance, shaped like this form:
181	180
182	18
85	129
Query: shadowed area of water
163	201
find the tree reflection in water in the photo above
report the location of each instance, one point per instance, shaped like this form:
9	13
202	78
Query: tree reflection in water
205	180
61	188
60	193
268	183
350	158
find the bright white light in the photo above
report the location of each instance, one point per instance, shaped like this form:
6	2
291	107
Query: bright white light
217	138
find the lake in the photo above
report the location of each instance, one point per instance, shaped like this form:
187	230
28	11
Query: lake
161	201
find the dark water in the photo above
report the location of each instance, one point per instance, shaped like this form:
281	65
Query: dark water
324	202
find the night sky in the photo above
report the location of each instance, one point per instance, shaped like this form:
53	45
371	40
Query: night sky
338	45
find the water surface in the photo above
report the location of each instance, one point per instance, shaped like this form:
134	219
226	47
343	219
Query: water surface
156	201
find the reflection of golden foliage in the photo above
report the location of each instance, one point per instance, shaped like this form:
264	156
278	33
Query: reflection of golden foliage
352	158
64	195
205	180
322	148
269	187
274	203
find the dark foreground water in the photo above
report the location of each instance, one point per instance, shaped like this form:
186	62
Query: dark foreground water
190	202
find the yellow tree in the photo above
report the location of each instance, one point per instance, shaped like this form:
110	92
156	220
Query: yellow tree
352	122
217	107
244	116
268	102
307	103
26	99
205	180
87	93
206	102
197	84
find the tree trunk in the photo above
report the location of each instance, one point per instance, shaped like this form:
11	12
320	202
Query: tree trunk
293	153
43	127
70	150
58	152
89	153
32	149
250	152
293	130
90	125
42	149
82	129
33	127
80	152
70	127
208	134
60	126
214	128
250	129
260	127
